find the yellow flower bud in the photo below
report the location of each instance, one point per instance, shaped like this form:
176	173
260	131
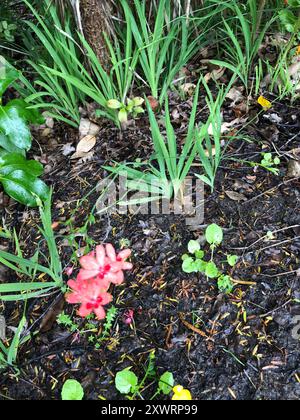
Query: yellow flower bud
264	102
181	394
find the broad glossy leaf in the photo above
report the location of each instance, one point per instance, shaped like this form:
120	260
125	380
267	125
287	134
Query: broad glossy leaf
14	126
6	144
11	162
24	188
8	74
30	115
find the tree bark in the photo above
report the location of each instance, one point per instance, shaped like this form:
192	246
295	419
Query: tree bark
94	18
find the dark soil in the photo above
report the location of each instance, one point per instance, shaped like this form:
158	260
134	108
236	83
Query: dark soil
221	347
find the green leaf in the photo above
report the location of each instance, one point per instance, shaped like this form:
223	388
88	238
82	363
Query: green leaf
24	188
10	162
8	74
166	383
8	146
30	115
72	391
14	126
214	234
225	284
114	104
200	266
212	271
193	246
199	254
126	381
188	265
277	161
123	115
232	260
288	19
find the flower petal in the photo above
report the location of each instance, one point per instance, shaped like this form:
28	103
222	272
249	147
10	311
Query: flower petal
118	278
100	313
87	274
72	298
84	311
89	262
123	255
100	255
111	253
106	298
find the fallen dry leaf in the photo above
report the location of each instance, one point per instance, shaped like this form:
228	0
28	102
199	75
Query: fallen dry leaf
84	146
87	128
235	95
215	74
235	196
294	169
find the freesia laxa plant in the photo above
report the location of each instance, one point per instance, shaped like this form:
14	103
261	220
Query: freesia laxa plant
133	106
99	269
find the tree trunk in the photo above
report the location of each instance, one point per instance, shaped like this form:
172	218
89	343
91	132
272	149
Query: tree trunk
94	19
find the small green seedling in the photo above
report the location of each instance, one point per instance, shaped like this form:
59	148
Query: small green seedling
72	391
127	382
268	162
133	106
225	284
214	235
197	264
89	327
232	260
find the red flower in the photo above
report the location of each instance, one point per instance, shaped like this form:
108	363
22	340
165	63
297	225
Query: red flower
105	265
91	295
99	270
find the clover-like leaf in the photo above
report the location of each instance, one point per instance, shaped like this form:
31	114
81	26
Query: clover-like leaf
211	270
214	234
123	115
193	246
126	381
225	284
114	104
72	391
166	383
188	265
232	260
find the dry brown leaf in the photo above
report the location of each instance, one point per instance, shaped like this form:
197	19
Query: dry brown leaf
84	146
235	95
294	169
215	74
87	128
235	196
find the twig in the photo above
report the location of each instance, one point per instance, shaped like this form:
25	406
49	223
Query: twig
275	310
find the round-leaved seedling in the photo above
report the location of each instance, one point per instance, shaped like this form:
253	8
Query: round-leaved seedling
214	235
